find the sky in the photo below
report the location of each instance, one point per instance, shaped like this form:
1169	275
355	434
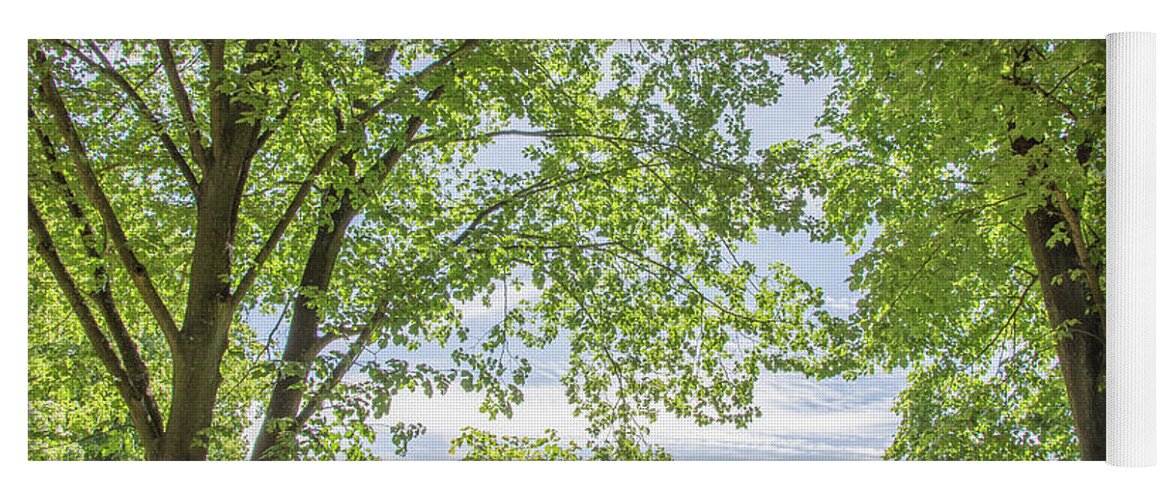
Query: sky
801	419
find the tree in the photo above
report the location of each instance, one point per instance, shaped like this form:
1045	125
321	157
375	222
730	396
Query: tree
177	187
976	172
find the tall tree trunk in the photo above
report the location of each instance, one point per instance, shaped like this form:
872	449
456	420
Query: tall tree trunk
1081	345
210	305
276	439
204	336
210	308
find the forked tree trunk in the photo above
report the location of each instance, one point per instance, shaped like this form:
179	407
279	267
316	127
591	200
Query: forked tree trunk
203	339
277	433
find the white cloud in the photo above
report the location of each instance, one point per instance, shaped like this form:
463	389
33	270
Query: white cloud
802	419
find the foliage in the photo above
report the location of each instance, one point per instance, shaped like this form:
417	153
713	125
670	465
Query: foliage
487	446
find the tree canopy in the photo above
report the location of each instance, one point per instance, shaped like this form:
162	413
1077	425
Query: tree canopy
976	171
177	188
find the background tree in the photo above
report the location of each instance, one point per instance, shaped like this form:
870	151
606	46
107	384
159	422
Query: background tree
975	170
178	187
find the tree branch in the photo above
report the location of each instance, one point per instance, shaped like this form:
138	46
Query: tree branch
698	220
304	344
1011	317
612	139
217	101
489	135
958	214
107	69
137	371
344	364
283	223
93	191
618	372
280	117
183	102
555	133
679	275
254	136
534	188
414	80
556	246
543	185
387	161
1033	86
1061	81
143	410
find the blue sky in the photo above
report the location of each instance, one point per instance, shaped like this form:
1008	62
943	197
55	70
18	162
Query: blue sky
801	419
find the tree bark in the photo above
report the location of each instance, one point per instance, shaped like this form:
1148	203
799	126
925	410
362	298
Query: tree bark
204	336
1081	341
276	439
1081	347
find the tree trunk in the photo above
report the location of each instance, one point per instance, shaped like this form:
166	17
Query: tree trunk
210	305
277	434
1081	342
275	441
1081	347
204	336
